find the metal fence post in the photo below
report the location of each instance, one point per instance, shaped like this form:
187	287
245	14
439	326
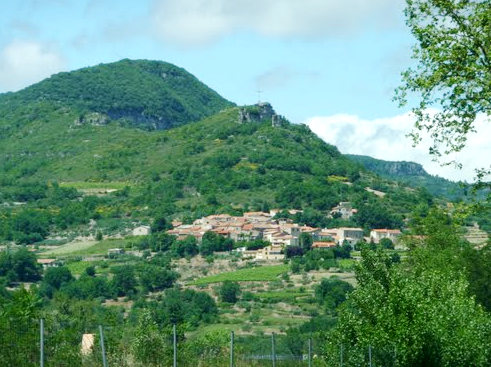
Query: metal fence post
174	341
341	355
310	352
103	348
231	349
273	350
41	342
369	355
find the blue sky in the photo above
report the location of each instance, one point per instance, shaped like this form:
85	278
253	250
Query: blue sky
332	64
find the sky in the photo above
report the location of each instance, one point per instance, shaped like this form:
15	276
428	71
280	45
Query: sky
330	64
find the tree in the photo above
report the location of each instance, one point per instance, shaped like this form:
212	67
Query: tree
149	346
19	266
331	292
210	243
30	226
98	236
155	278
229	291
454	71
293	251
386	243
428	318
56	276
178	306
306	241
90	271
160	224
185	248
124	281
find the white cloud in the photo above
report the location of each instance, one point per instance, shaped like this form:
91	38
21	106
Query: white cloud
23	63
385	138
195	22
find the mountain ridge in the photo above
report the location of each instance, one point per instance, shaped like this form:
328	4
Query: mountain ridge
152	95
236	159
412	174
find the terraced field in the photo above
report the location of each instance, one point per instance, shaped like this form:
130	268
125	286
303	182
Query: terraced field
257	274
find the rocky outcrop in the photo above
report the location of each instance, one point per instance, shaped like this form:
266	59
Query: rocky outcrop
140	120
93	118
260	112
404	169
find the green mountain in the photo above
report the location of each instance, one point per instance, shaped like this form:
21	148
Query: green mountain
148	94
412	174
240	158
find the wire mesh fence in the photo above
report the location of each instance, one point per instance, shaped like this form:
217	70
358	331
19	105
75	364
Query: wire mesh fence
38	343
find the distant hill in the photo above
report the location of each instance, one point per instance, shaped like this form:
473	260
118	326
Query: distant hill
412	174
80	129
151	95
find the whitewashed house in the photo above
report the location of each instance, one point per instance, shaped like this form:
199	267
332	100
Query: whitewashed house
142	231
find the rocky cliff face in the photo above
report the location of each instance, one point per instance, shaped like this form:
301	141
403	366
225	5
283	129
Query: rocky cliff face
260	112
389	168
404	169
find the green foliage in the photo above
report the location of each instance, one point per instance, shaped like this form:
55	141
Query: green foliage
176	307
452	74
149	347
386	243
211	347
185	248
252	245
429	318
124	281
91	158
18	329
376	215
306	241
213	242
412	174
148	94
88	287
331	292
57	276
155	278
98	236
30	226
229	291
477	265
19	266
160	223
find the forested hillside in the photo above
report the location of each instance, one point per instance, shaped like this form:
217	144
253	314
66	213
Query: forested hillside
217	165
414	175
88	156
147	94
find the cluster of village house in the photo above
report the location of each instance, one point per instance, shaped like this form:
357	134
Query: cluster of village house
280	233
261	225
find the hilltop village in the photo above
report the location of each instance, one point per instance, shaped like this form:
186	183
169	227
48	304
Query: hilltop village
280	233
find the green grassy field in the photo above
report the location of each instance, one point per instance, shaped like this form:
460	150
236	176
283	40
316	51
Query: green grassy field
82	185
78	267
346	264
87	247
258	274
282	295
69	248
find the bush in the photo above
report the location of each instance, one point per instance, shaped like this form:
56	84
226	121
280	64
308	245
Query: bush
229	291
